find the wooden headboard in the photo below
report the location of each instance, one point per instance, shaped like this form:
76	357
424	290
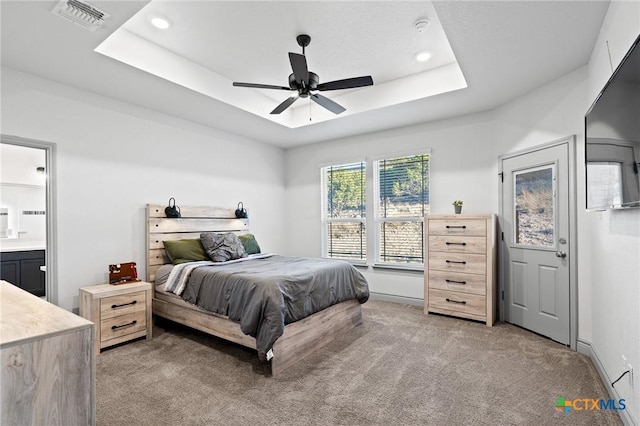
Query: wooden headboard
194	220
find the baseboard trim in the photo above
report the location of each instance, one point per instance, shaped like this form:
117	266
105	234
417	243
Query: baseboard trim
396	299
585	348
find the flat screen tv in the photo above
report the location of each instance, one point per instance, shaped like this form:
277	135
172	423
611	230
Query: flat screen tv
612	139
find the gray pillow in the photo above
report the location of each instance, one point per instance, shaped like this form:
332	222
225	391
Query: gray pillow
222	247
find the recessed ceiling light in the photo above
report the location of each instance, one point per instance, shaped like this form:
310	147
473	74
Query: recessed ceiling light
160	22
423	56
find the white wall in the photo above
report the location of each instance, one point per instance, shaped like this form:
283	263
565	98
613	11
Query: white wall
113	158
464	163
612	257
453	166
465	154
18	199
20	164
22	188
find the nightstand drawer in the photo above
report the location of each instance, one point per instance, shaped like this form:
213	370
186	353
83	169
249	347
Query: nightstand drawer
458	244
458	262
471	304
122	304
468	227
122	325
457	281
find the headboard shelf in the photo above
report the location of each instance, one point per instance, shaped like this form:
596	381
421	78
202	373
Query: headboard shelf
191	224
157	210
194	220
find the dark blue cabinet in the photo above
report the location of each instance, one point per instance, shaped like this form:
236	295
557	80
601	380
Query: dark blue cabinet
22	269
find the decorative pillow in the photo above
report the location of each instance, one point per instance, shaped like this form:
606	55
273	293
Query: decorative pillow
250	244
187	250
222	247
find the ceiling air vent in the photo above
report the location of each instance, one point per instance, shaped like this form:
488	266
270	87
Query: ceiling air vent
81	13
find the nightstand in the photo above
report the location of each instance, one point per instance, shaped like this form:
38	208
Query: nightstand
120	312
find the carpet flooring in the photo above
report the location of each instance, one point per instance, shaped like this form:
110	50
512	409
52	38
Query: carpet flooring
398	368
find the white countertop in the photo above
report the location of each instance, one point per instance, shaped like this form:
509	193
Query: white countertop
21	244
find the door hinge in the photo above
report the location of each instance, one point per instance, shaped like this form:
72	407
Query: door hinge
502	236
501	174
502	294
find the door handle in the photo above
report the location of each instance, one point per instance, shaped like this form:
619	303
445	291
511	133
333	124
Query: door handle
561	254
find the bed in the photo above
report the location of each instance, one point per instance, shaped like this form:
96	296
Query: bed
300	336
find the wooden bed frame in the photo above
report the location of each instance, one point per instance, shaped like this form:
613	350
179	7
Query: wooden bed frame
300	338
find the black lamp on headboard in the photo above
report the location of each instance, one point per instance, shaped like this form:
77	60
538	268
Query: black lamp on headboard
241	212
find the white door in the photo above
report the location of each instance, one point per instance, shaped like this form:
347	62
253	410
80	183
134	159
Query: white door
535	243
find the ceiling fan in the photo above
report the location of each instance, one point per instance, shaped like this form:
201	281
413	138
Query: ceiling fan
306	83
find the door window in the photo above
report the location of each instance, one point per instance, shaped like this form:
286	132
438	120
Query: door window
534	206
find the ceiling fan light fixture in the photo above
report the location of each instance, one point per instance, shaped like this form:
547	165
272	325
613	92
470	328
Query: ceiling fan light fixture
160	22
422	56
306	82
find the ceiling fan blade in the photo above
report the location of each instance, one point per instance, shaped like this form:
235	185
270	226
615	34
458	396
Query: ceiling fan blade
347	83
327	103
299	67
284	105
260	86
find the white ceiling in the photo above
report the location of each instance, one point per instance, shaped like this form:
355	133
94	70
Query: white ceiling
503	48
186	55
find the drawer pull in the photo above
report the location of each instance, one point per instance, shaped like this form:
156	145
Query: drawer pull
457	282
456	226
124	304
459	244
461	302
117	327
461	262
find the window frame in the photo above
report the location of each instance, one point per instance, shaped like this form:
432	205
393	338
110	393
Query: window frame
371	239
325	220
378	220
553	166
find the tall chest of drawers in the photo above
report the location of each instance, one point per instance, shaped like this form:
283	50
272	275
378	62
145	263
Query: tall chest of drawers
460	275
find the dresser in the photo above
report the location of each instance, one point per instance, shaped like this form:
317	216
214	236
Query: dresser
48	362
120	312
460	271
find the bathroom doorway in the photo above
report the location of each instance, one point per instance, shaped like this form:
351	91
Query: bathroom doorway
26	215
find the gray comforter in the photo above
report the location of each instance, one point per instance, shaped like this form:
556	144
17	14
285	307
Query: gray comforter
265	294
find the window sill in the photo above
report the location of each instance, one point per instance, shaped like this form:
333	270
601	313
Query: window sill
357	263
417	268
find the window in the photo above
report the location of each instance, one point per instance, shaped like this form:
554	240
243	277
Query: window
402	200
534	206
343	211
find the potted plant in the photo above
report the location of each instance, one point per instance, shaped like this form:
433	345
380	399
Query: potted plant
457	205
